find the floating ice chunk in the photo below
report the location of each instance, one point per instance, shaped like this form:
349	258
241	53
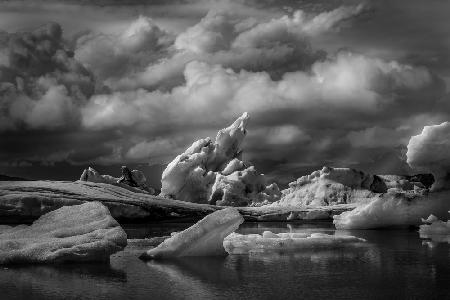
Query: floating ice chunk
267	242
205	238
331	186
435	227
85	232
394	209
214	173
190	175
238	188
132	180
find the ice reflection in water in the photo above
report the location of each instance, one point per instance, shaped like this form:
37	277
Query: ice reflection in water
393	265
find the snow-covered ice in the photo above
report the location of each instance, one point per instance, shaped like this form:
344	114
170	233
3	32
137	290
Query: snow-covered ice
214	173
268	241
395	208
137	177
85	232
205	238
331	186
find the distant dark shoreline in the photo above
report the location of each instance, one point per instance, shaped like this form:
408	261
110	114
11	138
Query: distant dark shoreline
12	178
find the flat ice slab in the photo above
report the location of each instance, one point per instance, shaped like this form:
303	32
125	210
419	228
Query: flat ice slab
268	241
204	238
85	232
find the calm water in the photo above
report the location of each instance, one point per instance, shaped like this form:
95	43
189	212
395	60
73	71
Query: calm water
394	264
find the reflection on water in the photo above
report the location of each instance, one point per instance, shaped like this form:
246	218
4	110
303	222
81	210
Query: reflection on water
392	264
64	281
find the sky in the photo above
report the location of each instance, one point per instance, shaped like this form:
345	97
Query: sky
110	83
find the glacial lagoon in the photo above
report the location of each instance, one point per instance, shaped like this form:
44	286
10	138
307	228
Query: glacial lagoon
392	264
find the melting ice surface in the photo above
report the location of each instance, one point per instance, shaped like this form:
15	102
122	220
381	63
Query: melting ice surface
268	241
214	234
204	238
394	209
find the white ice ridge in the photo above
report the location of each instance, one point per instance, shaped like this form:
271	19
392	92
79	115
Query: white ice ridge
205	238
268	242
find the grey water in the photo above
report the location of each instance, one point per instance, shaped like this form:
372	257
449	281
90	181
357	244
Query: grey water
394	264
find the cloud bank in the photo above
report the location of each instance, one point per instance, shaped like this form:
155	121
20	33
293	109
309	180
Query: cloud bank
143	92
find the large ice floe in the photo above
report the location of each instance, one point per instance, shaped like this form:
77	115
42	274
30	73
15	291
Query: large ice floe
268	241
214	173
131	180
204	238
428	151
85	232
25	201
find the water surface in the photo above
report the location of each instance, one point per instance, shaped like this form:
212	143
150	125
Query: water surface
394	264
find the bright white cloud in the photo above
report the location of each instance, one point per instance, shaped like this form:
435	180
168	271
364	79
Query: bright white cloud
346	83
429	150
112	56
231	40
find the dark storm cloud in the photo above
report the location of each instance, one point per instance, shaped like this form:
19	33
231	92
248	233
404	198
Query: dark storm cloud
134	88
41	84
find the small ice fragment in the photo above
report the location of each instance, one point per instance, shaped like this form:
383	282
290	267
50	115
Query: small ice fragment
252	243
270	235
204	238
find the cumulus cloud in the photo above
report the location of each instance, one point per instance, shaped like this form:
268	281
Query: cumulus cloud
318	116
140	92
429	151
41	84
226	38
347	83
113	56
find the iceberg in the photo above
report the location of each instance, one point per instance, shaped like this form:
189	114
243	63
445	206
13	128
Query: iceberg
336	186
214	173
331	186
408	202
77	233
131	180
205	238
270	242
395	208
434	226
